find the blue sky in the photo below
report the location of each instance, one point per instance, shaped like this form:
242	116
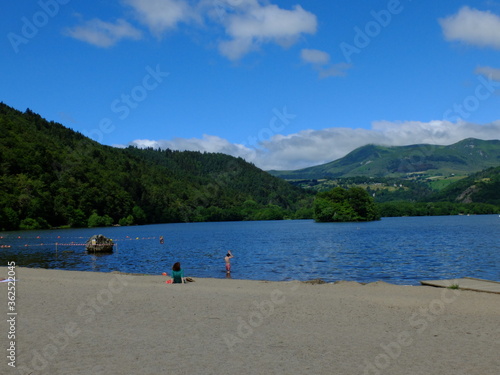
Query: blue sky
282	84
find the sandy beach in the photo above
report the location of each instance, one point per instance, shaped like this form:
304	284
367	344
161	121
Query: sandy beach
71	322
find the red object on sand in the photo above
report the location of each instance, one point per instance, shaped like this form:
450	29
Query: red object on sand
168	281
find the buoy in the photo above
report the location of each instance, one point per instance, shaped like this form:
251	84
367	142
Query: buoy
164	274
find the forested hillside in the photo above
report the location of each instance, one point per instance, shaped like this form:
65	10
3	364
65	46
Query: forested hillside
52	176
476	194
481	187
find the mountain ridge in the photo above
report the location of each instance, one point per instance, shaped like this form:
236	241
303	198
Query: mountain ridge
467	156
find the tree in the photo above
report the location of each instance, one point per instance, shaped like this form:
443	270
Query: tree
9	219
99	221
341	205
138	215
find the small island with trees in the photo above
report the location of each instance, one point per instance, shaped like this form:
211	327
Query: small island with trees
342	205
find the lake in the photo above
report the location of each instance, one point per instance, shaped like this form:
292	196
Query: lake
396	250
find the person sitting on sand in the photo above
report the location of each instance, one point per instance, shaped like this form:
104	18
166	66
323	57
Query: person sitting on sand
178	274
227	259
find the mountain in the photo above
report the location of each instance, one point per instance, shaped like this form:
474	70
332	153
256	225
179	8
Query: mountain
53	176
424	161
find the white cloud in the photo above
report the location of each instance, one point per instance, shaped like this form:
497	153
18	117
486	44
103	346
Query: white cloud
209	143
104	34
251	24
314	56
320	61
162	15
246	24
491	73
472	26
313	147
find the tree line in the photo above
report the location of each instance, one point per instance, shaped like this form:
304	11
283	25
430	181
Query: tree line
52	176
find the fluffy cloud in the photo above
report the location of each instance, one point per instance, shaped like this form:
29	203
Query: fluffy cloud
246	24
320	61
472	26
103	34
313	147
161	15
251	24
209	143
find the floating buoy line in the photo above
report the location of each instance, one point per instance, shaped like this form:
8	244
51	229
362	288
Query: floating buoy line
30	241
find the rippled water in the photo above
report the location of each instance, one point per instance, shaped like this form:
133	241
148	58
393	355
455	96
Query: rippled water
396	250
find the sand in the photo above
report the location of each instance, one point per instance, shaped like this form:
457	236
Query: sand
72	322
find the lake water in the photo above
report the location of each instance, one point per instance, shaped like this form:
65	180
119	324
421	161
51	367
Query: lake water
396	250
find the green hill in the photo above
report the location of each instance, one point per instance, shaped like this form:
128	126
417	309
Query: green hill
481	187
53	176
476	194
415	161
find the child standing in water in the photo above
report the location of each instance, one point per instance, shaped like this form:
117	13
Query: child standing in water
227	259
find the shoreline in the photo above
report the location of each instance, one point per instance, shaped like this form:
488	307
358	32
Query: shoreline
84	322
310	281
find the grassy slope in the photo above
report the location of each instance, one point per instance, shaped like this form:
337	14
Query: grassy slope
462	158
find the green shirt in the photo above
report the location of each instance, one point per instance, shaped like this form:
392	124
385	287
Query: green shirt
177	276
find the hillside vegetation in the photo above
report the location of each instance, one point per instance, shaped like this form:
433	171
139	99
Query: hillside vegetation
53	176
481	187
408	162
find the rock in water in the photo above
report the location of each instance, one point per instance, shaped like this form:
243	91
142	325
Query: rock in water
99	244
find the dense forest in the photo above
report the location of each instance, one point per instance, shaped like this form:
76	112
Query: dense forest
52	176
